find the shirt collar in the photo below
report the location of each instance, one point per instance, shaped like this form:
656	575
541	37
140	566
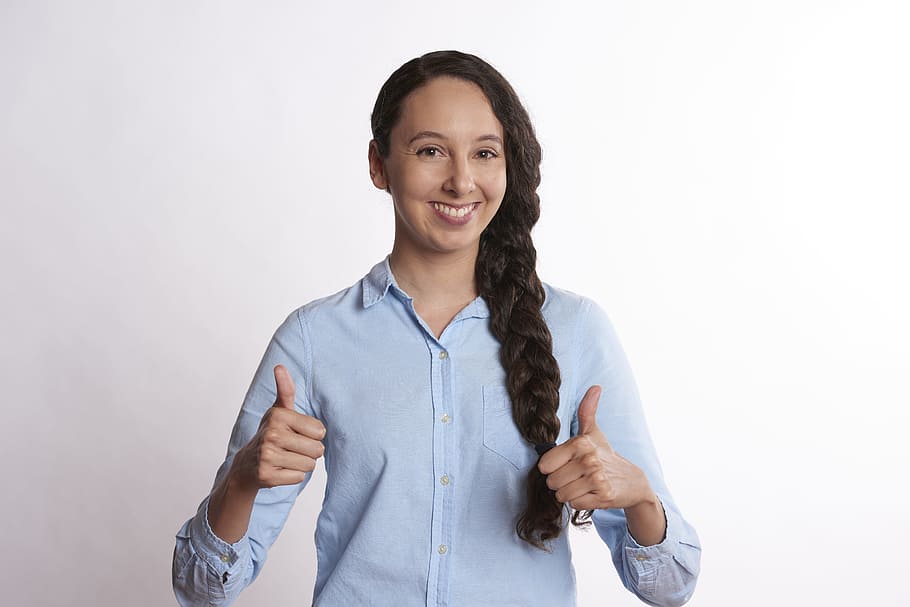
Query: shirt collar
380	279
476	309
376	284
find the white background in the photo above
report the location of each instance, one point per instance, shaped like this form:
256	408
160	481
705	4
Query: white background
728	179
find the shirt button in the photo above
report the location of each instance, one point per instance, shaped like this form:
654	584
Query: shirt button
445	479
443	355
445	418
443	549
225	558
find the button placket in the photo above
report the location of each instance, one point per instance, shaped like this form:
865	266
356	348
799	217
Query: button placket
441	372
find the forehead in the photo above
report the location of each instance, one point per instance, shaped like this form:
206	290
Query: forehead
450	106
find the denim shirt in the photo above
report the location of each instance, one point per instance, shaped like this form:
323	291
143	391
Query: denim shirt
425	467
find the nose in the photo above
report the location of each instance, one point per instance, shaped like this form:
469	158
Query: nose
460	181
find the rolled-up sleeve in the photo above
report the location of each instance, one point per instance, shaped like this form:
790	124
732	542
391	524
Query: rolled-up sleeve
664	574
208	570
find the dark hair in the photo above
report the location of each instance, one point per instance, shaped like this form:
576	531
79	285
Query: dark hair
505	272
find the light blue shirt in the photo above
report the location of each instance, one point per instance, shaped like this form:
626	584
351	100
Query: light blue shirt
425	467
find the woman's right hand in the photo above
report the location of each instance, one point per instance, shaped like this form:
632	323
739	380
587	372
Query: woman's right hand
286	446
282	452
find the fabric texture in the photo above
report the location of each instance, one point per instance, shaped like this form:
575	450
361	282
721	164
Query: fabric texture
425	468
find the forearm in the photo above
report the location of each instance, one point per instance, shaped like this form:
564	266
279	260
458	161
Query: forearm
647	522
230	508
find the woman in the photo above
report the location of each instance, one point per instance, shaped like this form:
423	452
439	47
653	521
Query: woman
454	397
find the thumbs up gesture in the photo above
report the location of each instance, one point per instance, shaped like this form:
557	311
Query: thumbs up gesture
587	474
286	446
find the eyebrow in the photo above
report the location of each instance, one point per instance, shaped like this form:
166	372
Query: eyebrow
435	135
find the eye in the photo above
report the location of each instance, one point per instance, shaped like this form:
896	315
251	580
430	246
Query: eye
487	154
430	151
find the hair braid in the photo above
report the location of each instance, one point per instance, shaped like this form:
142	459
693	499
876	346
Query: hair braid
507	279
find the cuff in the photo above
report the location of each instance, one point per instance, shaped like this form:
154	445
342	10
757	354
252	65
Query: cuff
665	573
644	562
223	558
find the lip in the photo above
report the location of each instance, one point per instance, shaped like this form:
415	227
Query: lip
454	220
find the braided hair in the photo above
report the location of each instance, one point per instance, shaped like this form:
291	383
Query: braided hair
506	268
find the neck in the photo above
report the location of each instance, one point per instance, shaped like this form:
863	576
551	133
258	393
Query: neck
435	280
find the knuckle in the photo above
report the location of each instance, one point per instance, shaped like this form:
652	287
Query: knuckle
267	452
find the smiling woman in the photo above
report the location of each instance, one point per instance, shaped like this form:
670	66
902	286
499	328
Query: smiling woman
456	399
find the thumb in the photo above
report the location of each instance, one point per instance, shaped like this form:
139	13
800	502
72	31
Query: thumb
285	386
587	411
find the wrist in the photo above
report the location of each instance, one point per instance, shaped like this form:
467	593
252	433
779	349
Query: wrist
648	502
238	485
240	480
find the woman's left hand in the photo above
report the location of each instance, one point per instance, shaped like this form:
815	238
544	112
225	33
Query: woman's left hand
585	471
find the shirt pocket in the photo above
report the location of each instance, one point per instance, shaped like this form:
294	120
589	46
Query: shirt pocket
500	434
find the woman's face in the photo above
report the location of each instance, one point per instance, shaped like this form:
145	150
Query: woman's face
446	169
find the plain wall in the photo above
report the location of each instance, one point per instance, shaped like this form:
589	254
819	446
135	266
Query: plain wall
728	179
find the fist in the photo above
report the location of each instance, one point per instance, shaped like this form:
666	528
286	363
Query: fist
286	446
586	473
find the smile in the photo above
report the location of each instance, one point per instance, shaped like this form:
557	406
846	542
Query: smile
453	212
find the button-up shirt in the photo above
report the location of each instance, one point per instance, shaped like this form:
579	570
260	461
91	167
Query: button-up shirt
426	470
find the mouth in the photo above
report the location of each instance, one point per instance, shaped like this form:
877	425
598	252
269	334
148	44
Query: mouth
455	213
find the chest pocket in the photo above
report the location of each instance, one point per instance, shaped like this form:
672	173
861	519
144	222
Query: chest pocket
500	434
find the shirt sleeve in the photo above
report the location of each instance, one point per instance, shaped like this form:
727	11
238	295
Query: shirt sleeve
207	570
664	574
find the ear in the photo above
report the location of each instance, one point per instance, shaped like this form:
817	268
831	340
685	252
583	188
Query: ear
377	167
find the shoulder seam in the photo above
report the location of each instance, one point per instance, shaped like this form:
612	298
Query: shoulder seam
305	339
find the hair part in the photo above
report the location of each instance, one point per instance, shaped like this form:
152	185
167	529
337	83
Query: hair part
506	268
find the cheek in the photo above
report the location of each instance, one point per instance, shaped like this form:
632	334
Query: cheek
417	181
499	185
494	180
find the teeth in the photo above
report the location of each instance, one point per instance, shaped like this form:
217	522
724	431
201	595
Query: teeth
452	211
